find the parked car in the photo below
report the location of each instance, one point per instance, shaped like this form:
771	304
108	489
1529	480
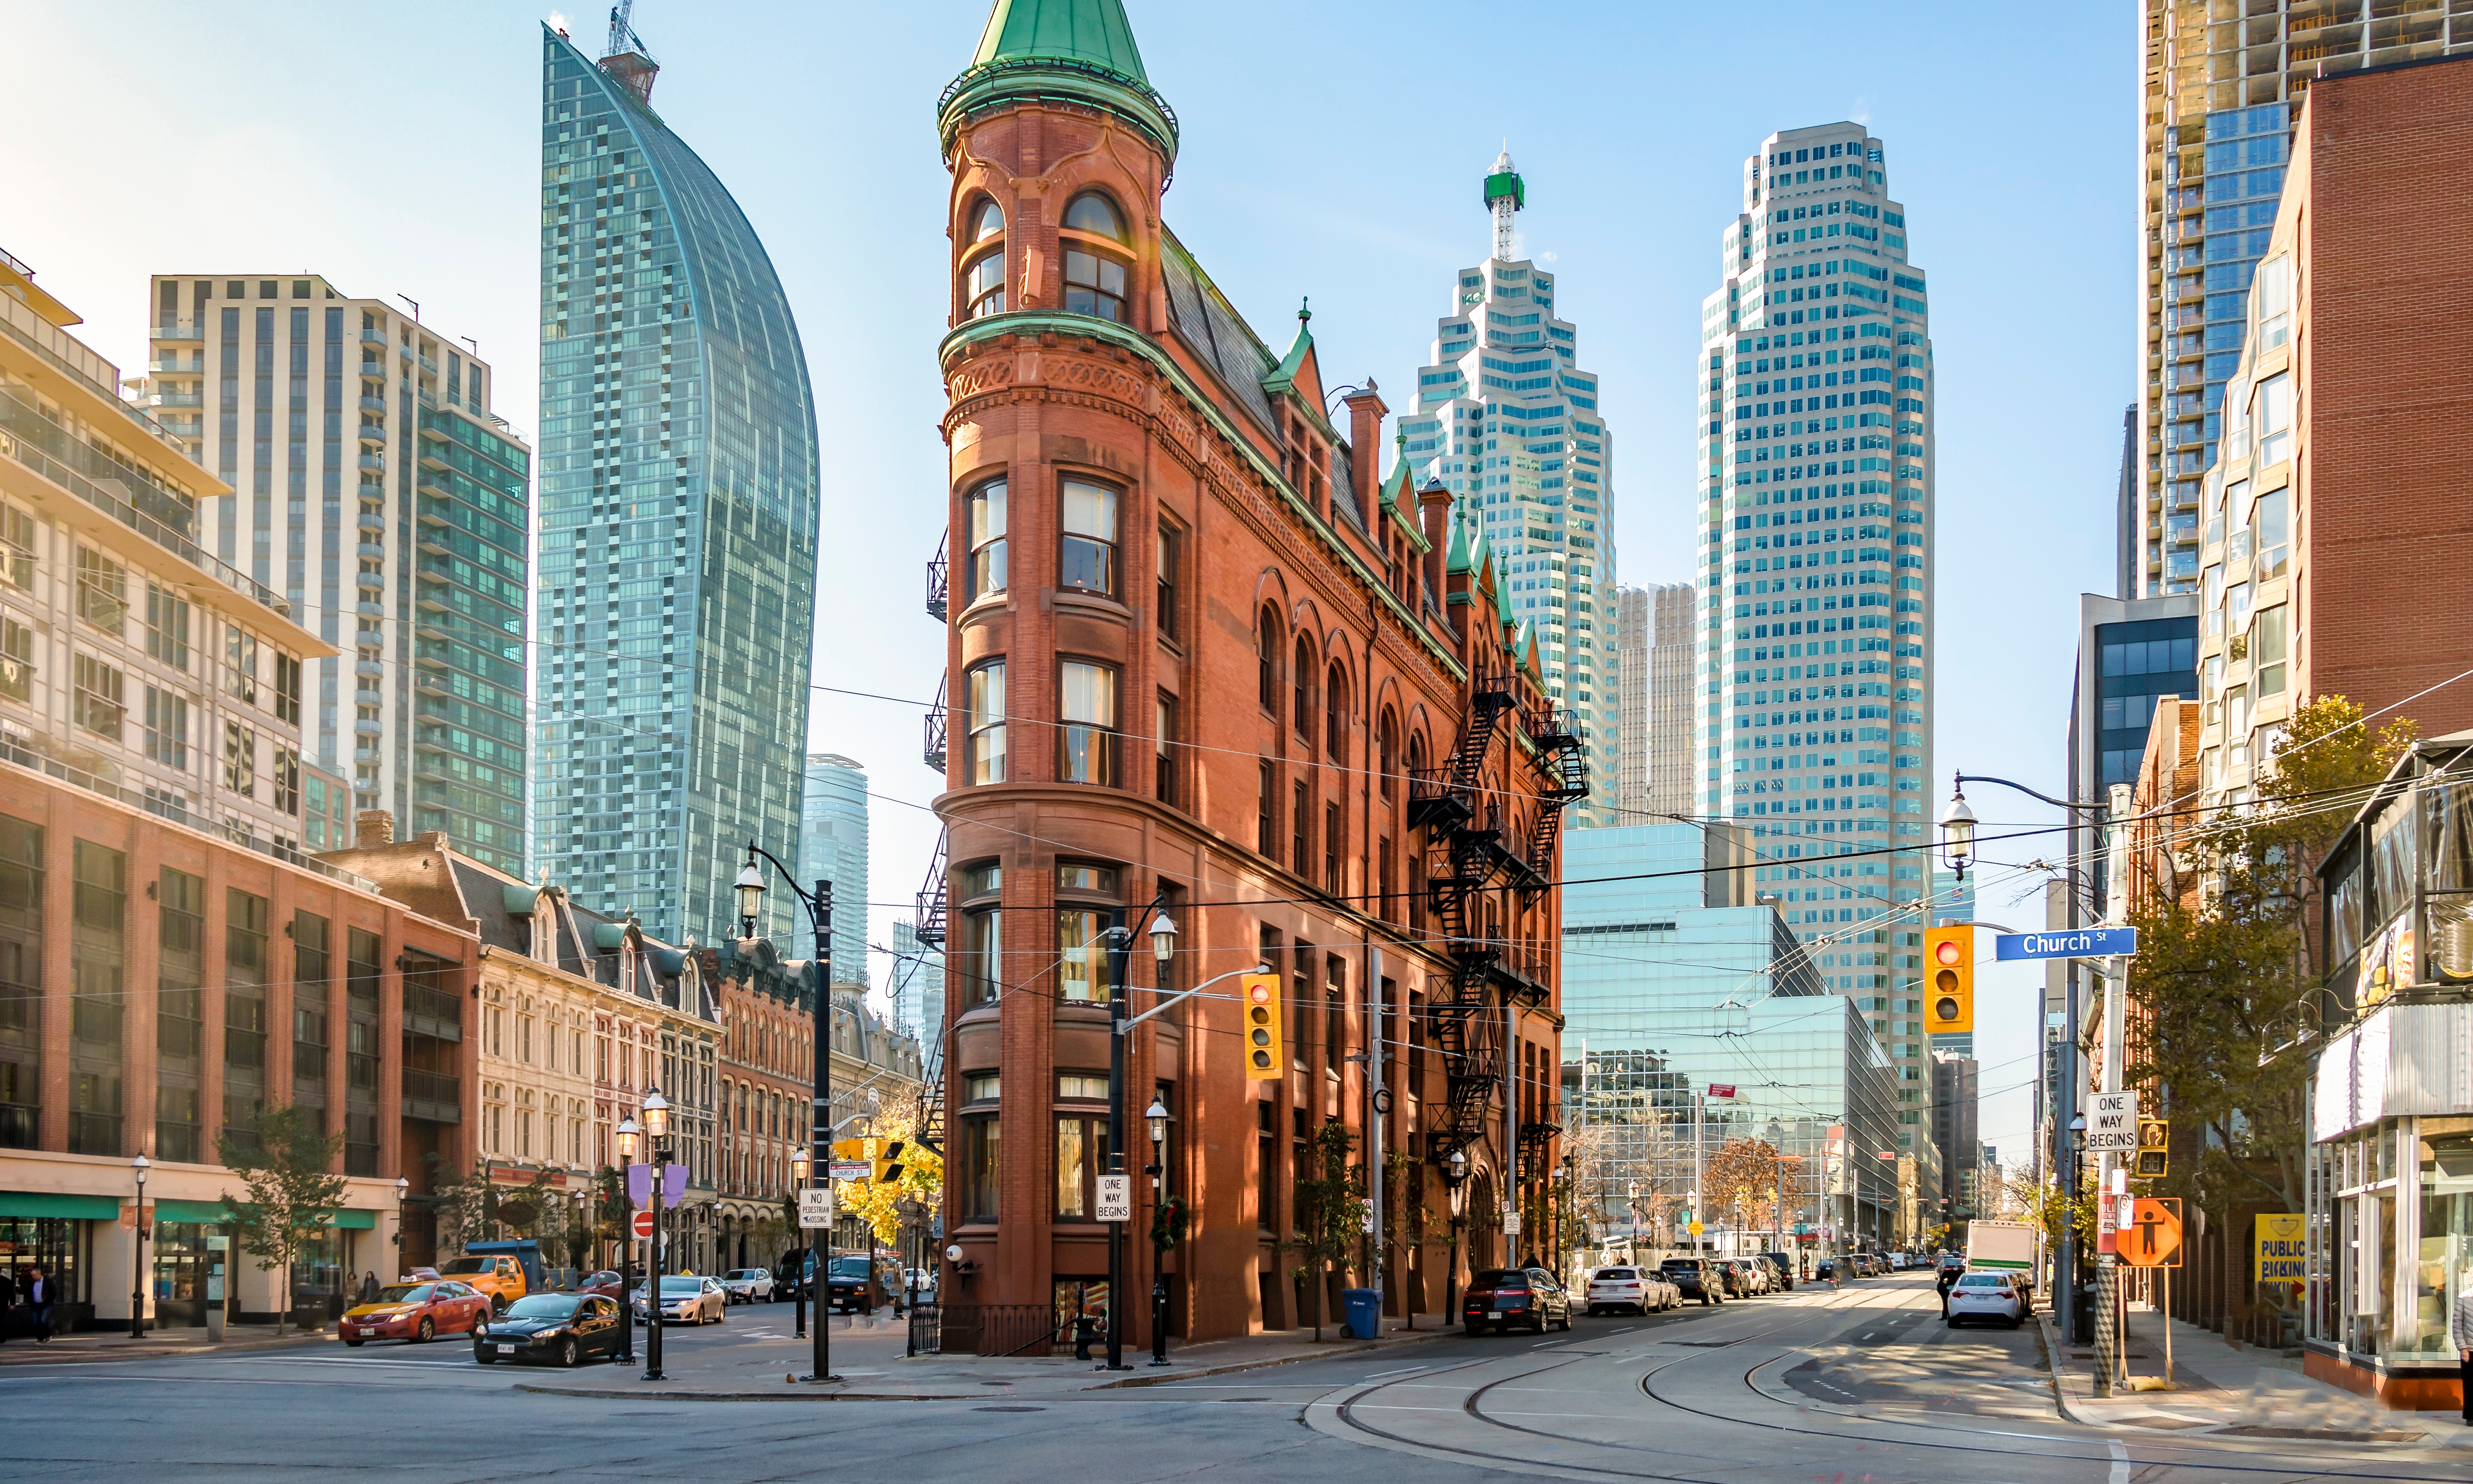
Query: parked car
1783	1265
794	1277
418	1312
1988	1296
606	1282
921	1282
686	1300
1640	1290
1696	1278
1502	1296
746	1286
1897	1262
565	1327
1744	1281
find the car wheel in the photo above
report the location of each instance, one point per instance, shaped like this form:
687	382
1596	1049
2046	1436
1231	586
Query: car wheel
569	1353
1953	1320
497	1304
1566	1324
425	1333
481	1354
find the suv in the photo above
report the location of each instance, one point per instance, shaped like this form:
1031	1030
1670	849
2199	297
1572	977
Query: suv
1784	1263
1502	1296
1694	1277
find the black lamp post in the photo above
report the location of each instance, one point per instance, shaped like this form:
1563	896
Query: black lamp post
799	1286
1156	1116
1121	942
137	1256
402	1190
628	1134
1455	1174
819	903
657	1129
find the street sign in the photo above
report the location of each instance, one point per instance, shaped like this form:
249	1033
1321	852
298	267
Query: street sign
1695	1228
851	1169
1721	1089
2076	943
2282	1248
2112	1122
1511	1224
2152	1236
642	1225
1115	1198
815	1209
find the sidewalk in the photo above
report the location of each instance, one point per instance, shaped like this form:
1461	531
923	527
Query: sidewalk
97	1345
2226	1392
873	1368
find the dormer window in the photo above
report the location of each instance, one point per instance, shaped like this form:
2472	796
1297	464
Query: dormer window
1094	277
983	269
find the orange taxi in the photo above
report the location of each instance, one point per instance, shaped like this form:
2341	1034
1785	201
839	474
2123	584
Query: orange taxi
417	1312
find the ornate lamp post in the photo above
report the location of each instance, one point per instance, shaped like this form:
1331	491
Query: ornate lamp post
137	1256
1455	1174
628	1137
1156	1116
750	887
799	1165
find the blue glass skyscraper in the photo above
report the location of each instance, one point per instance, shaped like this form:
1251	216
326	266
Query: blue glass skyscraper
678	488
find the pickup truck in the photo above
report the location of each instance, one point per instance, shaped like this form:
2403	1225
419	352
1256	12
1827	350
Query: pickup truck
504	1271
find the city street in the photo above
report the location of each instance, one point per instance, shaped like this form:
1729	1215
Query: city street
1864	1383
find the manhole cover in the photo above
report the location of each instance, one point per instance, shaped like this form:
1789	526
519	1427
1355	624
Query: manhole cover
1008	1409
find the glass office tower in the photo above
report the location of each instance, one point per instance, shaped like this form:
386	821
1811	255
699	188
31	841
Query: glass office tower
678	491
832	847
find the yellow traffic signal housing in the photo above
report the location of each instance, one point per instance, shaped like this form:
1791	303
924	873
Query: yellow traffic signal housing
850	1150
2154	1141
1260	994
1949	980
885	1167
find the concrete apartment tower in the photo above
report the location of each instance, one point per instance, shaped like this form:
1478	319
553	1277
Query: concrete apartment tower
2223	84
678	491
1508	421
1814	722
373	487
832	847
1653	644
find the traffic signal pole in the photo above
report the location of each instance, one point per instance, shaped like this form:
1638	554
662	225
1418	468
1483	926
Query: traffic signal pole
820	1155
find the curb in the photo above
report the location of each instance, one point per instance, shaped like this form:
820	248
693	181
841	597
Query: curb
44	1355
1359	1346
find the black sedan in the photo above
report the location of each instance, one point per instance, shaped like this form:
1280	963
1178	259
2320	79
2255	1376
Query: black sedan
1698	1278
564	1328
1503	1297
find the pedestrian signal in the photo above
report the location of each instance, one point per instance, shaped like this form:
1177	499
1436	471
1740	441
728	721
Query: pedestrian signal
1949	974
884	1165
1261	994
2155	1136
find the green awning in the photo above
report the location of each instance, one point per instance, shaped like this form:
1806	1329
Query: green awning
36	1205
212	1212
358	1220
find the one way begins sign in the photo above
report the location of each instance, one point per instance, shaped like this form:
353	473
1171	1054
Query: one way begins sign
2112	1122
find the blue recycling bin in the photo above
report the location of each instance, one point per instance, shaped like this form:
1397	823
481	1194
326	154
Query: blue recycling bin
1364	1310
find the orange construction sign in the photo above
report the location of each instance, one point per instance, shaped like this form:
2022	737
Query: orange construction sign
2152	1240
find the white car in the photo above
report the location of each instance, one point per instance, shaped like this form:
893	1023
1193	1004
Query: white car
1642	1290
1897	1262
746	1286
1988	1296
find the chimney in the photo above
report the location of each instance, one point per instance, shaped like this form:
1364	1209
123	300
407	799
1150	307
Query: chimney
1433	511
1365	412
371	828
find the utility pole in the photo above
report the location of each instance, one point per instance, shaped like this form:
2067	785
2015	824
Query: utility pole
1118	941
2107	1262
1378	1102
1511	1122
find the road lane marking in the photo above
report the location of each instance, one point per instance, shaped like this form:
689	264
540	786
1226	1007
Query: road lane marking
2119	1463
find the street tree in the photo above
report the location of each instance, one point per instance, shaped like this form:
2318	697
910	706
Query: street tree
1330	1209
879	1204
1740	1180
286	1164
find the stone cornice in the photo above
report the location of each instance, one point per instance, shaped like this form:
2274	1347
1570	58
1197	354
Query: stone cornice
1030	324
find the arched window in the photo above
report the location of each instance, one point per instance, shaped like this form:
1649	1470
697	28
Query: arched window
1303	679
1386	742
983	275
1096	278
1267	658
1335	711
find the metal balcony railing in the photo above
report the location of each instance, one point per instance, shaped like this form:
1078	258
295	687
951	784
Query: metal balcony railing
939	584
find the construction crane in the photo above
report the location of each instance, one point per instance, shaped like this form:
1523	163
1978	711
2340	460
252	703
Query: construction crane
622	35
628	59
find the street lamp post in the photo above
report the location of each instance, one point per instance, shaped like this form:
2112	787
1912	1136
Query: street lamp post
137	1254
799	1165
1156	1116
819	903
402	1189
628	1134
1120	943
1455	1174
657	1129
1631	1199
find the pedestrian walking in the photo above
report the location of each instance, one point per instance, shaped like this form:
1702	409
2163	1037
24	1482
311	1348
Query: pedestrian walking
38	1299
2460	1334
369	1287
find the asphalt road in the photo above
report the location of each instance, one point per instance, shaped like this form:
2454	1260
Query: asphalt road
1860	1385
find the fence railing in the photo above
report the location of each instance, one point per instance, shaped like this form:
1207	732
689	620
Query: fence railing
983	1329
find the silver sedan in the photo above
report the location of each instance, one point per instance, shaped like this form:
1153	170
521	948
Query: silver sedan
687	1300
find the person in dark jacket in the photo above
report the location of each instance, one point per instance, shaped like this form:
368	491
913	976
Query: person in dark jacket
39	1298
369	1287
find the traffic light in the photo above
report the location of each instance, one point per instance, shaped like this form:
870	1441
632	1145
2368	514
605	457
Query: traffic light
2154	1138
1261	996
850	1151
885	1166
1948	973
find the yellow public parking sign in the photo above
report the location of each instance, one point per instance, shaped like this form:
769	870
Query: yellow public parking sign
2281	1248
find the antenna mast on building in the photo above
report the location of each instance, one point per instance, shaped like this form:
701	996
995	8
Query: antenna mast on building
1504	194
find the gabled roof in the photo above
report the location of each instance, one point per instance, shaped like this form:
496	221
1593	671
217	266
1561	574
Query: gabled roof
1297	373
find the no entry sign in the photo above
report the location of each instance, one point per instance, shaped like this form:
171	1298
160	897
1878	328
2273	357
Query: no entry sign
644	1225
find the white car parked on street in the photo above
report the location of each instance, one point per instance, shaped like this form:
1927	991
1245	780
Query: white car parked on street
1642	1290
1988	1296
746	1286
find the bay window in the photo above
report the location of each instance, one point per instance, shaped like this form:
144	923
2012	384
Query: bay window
986	518
1087	517
987	723
1087	706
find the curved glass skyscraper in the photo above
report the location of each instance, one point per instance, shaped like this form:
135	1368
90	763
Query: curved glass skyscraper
678	494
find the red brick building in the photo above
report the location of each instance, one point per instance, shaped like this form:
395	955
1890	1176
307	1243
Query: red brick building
1201	651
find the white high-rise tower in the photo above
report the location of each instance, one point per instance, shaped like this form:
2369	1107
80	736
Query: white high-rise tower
1815	725
1509	424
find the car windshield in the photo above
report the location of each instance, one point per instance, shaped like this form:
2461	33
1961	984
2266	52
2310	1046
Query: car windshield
544	1305
1499	1277
741	1273
1617	1274
404	1293
1983	1280
1682	1264
673	1286
464	1265
850	1267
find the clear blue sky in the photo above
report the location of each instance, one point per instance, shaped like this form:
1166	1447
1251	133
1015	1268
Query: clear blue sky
1328	150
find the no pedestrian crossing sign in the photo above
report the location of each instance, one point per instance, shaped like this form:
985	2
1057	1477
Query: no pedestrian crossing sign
815	1209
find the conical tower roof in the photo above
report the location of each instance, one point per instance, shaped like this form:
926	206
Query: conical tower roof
1072	51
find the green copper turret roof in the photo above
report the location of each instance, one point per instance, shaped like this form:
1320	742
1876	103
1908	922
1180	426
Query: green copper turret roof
1502	601
1284	377
1457	559
1074	52
1090	31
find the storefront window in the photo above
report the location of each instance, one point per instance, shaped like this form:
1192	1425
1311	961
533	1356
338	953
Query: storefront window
54	1245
